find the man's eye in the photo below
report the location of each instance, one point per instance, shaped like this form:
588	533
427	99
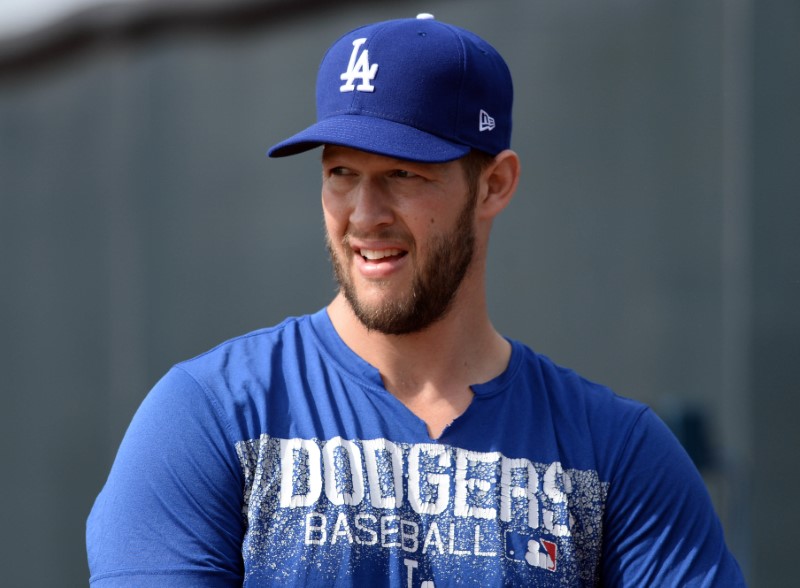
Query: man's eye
339	171
403	173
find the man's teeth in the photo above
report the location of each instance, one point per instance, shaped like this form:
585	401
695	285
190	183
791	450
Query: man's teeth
374	255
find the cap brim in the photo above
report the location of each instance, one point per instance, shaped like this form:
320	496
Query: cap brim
375	135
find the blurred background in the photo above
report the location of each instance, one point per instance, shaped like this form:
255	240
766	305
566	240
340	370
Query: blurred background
652	246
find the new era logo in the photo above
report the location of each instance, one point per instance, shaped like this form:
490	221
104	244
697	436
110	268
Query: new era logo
486	122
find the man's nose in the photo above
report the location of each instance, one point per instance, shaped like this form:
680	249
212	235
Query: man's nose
371	205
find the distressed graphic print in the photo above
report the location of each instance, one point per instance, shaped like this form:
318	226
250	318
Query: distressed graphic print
423	515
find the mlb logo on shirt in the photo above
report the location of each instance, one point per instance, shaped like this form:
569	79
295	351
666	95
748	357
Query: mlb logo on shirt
538	553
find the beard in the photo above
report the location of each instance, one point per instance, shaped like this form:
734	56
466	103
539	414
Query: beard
434	283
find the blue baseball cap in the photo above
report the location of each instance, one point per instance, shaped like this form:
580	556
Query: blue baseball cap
414	89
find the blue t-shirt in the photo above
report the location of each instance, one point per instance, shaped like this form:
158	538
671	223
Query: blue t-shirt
279	459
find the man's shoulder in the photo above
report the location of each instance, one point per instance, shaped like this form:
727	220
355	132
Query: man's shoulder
292	331
591	424
253	358
569	387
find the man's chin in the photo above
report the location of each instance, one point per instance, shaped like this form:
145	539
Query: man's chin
376	298
387	316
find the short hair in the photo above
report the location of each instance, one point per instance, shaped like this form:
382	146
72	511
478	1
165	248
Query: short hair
473	164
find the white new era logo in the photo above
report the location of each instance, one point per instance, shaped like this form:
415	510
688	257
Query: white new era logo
359	67
486	122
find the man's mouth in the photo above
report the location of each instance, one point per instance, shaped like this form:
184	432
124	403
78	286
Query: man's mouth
379	254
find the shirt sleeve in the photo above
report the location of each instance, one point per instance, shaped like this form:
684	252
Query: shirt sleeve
170	513
661	528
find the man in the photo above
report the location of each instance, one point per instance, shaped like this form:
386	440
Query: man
395	438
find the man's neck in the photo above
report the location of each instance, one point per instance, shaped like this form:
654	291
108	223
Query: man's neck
430	371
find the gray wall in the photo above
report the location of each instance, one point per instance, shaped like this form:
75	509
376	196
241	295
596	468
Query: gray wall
651	245
775	356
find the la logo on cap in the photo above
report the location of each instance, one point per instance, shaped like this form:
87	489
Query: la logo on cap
359	67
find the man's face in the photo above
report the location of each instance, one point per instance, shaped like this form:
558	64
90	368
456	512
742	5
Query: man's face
400	234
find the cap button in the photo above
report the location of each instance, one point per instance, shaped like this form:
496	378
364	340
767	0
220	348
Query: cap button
425	16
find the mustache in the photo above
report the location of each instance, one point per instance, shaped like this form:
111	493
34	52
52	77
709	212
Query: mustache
388	234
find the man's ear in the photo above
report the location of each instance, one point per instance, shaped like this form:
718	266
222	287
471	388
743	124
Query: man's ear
498	183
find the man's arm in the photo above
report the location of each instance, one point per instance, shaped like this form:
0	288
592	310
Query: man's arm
171	510
661	528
